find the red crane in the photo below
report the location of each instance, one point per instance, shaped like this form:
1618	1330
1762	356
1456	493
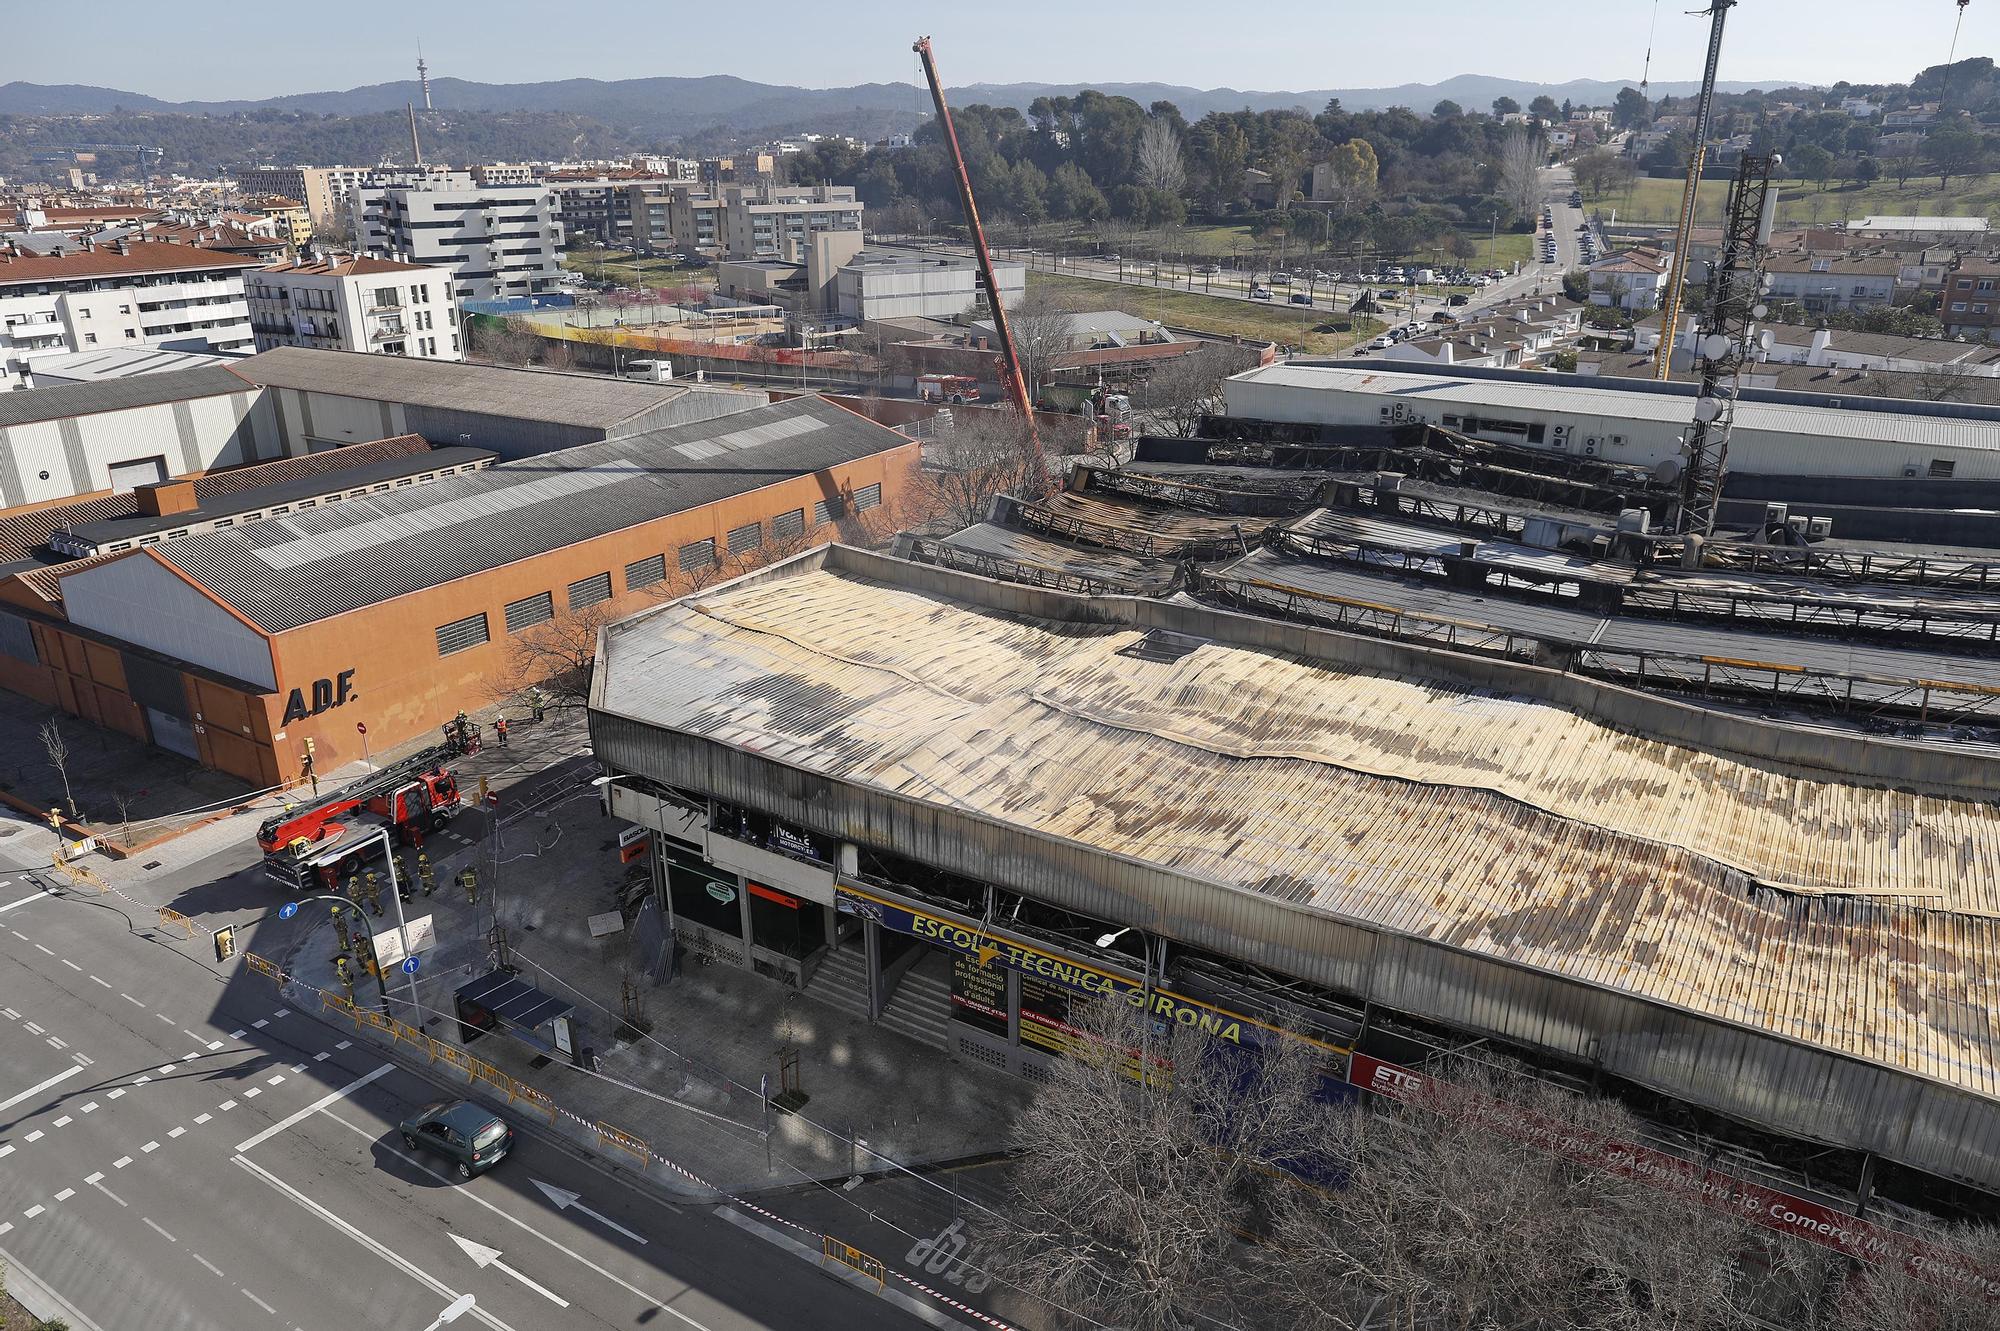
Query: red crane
1017	387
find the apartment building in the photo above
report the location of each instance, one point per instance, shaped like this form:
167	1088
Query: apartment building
328	191
310	185
355	304
1824	282
602	206
1970	306
293	223
492	243
767	221
137	293
505	173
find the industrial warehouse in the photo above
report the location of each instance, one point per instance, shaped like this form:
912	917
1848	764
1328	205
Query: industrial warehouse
358	615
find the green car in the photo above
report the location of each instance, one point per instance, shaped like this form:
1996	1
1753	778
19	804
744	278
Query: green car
473	1139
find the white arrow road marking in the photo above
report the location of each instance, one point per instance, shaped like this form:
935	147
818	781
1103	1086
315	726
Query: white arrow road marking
483	1256
565	1199
62	1076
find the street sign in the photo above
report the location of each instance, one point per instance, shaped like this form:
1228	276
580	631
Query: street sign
361	726
410	965
389	943
289	909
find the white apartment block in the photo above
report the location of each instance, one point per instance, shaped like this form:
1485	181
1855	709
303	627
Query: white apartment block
488	243
767	221
376	305
328	191
137	293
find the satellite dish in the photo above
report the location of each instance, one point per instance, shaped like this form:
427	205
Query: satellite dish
1764	340
1759	310
1706	409
1681	360
1666	471
1714	346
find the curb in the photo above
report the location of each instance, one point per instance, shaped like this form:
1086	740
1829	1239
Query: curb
41	1300
845	1274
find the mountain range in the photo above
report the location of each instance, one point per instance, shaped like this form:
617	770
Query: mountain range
666	108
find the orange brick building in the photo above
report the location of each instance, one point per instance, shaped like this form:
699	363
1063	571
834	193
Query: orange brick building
396	610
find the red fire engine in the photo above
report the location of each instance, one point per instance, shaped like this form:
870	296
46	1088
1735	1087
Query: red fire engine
412	799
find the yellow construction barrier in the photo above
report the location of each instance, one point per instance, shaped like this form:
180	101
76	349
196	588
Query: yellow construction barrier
173	919
334	1001
847	1255
624	1141
370	1017
264	966
452	1054
526	1093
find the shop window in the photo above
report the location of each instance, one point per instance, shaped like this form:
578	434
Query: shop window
645	572
530	611
747	537
702	894
697	555
867	497
783	923
461	634
593	590
789	526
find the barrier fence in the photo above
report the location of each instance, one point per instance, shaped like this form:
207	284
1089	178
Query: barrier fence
850	1256
173	919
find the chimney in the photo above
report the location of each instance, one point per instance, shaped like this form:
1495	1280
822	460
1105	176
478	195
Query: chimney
121	246
1822	338
165	497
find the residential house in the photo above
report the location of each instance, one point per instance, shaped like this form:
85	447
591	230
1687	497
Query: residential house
1970	305
1822	283
355	304
1632	280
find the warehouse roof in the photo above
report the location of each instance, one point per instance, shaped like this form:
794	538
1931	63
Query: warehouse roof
1964	427
1493	823
61	401
281	573
116	363
588	400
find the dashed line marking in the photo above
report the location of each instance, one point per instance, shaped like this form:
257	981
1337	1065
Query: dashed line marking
71	964
200	1119
34	1136
282	1012
114	1093
65	1194
40	948
128	998
189	1058
34	1210
261	1023
236	1035
141	1081
163	1071
89	1107
93	1179
83	1060
54	1043
121	1162
252	1093
345	1044
33	1029
213	1045
62	1122
164	1017
10	1014
6	1151
175	1132
321	1056
259	1302
226	1106
112	1195
95	980
6	1226
157	1230
213	1269
192	1036
149	1148
274	1079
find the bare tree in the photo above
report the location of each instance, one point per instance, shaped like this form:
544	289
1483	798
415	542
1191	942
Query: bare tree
1160	164
1178	393
123	799
57	748
983	454
1520	163
1956	1294
554	656
503	341
1042	326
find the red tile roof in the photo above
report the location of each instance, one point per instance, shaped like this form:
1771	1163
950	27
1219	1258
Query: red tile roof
140	256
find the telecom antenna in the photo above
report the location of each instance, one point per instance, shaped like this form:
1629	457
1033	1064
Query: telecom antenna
424	73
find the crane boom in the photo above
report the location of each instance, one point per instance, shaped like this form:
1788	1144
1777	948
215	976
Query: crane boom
1684	231
1017	386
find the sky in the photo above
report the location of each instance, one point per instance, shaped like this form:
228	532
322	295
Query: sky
1290	45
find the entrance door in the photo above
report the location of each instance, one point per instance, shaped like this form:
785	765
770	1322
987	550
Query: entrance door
172	733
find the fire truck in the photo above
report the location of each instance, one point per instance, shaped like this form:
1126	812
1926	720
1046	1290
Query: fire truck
309	847
947	388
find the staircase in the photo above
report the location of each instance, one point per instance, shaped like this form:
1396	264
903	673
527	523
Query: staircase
919	1009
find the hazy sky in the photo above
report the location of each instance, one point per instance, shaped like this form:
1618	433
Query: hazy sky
168	50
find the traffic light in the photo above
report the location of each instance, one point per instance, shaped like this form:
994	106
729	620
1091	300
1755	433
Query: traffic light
482	790
225	943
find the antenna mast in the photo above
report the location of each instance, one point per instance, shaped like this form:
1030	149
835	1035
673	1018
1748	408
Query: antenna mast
416	149
424	73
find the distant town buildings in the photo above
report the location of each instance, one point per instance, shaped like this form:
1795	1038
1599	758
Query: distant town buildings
356	304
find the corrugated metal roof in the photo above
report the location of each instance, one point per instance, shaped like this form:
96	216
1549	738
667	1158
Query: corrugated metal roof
1828	423
489	390
284	572
1498	825
145	390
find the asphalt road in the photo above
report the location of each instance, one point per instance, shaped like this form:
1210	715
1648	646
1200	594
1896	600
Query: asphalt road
177	1150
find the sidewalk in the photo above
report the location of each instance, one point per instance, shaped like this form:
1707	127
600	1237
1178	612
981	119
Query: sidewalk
688	1088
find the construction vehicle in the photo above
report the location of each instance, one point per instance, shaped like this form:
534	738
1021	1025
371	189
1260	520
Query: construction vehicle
310	846
1017	384
947	388
1114	414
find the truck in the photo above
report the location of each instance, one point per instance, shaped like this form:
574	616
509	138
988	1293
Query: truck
947	388
310	847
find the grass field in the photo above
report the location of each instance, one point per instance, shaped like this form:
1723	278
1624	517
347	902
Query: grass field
1214	314
1802	203
629	270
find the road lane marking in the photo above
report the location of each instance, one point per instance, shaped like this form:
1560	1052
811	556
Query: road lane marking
260	1023
226	1106
282	1012
164	1017
408	1268
202	1118
34	1210
175	1132
274	1079
128	998
149	1148
6	1151
95	980
62	1122
6	1226
192	1036
253	1093
71	964
30	899
60	1077
236	1035
213	1269
33	1029
112	1195
259	1302
331	1097
90	1107
157	1230
35	1136
213	1045
189	1058
165	1070
321	1056
345	1044
40	948
121	1162
54	1043
93	1178
483	1257
564	1199
140	1081
114	1093
10	1014
65	1194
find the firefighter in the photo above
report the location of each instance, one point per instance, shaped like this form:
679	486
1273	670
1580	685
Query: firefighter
500	731
345	970
469	880
354	887
340	930
364	948
372	887
406	875
425	873
536	702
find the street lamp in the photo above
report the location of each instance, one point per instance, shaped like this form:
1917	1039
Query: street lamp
456	1309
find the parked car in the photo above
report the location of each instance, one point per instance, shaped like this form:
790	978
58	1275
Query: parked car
1281	279
1260	293
1300	298
1207	270
1458	298
1386	294
471	1139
